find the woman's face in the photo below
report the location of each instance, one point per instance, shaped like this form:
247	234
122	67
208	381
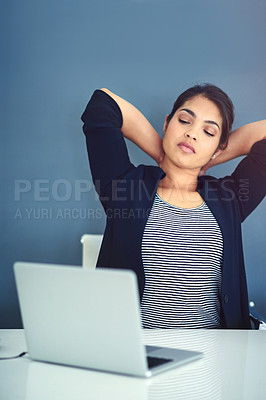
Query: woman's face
193	134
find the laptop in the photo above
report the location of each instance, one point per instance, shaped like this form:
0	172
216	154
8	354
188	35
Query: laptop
88	318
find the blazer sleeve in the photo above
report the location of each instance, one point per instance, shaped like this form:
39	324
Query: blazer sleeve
249	179
107	151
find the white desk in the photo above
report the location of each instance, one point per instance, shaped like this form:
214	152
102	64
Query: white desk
233	367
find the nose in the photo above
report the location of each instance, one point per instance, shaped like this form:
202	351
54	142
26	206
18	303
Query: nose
191	135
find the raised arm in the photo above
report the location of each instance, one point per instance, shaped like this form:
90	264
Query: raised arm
137	128
249	177
240	143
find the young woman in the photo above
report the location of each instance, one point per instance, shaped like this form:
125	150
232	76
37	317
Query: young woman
178	229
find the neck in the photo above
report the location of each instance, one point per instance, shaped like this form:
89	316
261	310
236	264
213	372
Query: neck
179	178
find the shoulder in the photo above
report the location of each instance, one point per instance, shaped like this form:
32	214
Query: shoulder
259	148
150	172
245	188
146	173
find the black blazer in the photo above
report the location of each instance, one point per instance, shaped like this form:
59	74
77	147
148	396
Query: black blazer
127	193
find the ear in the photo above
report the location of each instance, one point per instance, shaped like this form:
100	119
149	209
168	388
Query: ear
165	125
216	154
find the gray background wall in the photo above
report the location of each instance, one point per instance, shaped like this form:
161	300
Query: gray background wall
55	53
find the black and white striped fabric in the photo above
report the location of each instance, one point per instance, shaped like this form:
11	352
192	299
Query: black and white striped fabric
182	256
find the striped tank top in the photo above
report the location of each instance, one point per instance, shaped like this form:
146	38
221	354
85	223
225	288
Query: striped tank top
182	253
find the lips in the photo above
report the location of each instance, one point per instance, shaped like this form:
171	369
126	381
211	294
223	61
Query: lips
187	148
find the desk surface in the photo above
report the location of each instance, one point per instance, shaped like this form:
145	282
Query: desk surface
233	367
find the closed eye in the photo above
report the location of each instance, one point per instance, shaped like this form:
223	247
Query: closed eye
187	122
208	133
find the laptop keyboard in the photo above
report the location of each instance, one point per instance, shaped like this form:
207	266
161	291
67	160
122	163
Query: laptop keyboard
155	361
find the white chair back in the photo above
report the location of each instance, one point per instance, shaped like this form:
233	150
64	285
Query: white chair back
91	244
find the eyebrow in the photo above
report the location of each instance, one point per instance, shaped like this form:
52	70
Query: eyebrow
194	115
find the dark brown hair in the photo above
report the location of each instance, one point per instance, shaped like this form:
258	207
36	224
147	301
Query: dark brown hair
218	97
